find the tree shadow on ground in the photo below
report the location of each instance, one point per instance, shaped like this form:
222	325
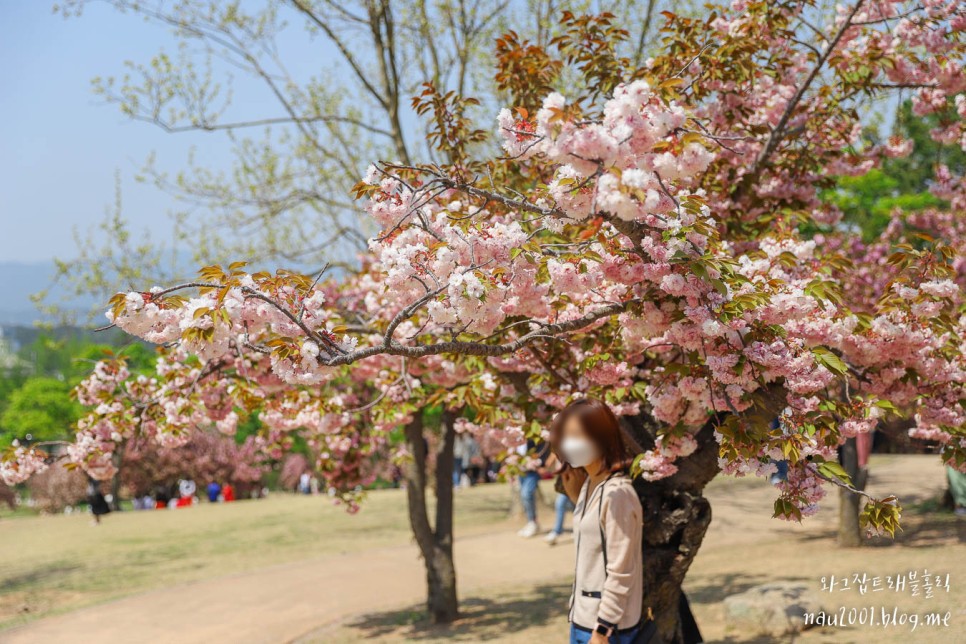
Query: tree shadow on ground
481	618
928	530
30	578
938	529
927	522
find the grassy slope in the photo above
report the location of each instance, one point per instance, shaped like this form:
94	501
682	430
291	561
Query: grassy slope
57	563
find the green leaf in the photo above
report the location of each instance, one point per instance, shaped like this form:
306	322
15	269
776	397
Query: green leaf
832	470
830	361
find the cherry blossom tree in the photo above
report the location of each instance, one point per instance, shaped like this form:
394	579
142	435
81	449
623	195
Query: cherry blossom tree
207	456
654	235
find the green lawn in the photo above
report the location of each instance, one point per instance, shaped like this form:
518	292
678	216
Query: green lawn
57	563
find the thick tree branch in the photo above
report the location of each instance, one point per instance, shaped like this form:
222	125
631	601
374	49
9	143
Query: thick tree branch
778	132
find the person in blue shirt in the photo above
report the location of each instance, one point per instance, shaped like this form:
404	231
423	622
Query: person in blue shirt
213	490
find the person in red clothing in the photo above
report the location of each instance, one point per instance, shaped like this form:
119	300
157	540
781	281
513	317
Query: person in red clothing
161	496
186	490
228	493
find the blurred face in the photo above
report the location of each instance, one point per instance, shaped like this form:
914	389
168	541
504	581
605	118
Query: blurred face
577	448
573	429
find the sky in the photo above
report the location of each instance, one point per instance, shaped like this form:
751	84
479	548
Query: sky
62	147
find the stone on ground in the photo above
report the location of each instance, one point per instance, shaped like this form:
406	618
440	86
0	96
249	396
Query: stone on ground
771	610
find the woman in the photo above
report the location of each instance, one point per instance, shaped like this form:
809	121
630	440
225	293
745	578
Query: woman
605	606
96	500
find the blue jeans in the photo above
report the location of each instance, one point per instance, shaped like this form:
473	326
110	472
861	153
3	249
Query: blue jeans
581	636
782	473
528	494
457	471
562	505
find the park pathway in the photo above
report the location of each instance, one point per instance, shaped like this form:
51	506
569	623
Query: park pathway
285	602
305	602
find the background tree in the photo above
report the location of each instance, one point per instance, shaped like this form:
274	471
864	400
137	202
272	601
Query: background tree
879	203
57	488
208	457
903	179
283	200
7	496
35	393
40	410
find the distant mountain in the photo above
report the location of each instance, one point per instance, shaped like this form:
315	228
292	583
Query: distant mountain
21	280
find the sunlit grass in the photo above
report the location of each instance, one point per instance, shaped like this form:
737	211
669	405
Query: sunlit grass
56	563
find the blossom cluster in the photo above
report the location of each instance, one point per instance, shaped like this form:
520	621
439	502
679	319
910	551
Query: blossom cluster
20	462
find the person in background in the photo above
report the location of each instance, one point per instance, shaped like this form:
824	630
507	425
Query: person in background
491	469
305	483
781	467
562	505
459	457
186	490
529	481
228	493
95	498
214	491
396	475
957	488
161	498
474	462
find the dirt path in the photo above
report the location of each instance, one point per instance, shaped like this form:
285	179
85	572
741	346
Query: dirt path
282	603
515	590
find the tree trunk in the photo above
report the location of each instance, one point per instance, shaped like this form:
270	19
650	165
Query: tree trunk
850	532
443	603
435	545
676	518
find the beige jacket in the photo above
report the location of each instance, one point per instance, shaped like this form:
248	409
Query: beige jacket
614	595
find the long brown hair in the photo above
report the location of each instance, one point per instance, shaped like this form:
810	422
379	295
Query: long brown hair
601	426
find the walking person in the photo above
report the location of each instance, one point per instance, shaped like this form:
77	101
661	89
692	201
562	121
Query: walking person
460	459
606	602
562	506
473	465
96	500
529	482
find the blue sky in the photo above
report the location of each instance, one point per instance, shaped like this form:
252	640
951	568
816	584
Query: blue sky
62	146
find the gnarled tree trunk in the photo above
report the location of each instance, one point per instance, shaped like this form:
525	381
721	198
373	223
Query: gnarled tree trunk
676	518
435	543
